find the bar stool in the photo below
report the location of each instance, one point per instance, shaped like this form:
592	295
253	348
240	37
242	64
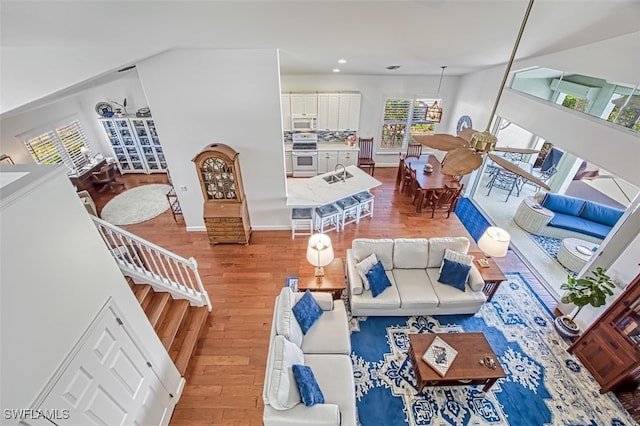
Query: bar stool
349	211
365	200
301	222
327	215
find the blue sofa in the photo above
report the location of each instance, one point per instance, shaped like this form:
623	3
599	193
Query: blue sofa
563	216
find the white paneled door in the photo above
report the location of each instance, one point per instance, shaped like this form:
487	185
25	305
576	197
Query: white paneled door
109	382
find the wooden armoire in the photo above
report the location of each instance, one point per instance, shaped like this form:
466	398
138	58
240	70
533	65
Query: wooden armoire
225	206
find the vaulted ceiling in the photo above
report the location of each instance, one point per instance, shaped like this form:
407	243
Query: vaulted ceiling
420	35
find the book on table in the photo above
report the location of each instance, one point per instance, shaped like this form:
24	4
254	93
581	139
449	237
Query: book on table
439	356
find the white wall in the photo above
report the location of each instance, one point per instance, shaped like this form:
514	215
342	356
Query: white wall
30	73
80	105
56	275
374	91
201	96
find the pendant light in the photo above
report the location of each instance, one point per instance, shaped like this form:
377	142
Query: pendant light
434	112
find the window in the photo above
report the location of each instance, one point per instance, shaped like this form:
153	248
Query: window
66	144
403	117
616	103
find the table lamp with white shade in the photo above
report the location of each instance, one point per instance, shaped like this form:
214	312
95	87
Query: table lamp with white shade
319	252
494	242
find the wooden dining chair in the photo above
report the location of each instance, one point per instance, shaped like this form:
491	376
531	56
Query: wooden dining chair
446	199
365	155
107	176
405	182
413	150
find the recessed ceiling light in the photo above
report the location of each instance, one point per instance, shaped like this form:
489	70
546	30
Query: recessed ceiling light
342	61
336	70
393	67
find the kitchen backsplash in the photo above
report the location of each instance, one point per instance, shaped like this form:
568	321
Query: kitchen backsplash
333	136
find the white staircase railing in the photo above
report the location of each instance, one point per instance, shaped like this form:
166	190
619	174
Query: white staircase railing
149	263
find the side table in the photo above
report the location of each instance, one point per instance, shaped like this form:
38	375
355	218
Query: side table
574	253
334	279
492	275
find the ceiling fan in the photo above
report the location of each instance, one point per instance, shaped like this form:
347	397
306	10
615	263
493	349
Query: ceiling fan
465	152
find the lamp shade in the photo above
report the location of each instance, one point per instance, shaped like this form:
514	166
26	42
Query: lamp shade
319	250
494	242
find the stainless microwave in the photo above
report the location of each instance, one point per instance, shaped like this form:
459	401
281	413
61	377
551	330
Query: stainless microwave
306	122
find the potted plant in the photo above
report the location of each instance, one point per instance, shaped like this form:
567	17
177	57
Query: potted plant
590	290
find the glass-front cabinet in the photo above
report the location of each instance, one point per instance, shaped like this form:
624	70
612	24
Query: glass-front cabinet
225	211
610	347
136	145
219	180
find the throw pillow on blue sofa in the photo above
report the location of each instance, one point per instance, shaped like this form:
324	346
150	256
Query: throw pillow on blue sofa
600	213
563	204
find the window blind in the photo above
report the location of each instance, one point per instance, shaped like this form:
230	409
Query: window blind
61	145
401	116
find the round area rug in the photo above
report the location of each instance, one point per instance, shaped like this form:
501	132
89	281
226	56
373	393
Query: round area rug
137	205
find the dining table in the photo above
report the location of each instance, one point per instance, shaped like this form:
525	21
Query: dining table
426	181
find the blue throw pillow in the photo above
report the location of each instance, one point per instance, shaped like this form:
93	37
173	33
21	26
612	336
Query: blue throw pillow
378	279
454	274
563	204
307	385
306	311
600	213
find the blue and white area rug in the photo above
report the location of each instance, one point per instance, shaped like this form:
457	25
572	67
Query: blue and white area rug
545	385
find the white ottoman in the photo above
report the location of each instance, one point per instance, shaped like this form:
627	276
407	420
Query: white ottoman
574	253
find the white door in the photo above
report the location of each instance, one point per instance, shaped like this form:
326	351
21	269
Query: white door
109	382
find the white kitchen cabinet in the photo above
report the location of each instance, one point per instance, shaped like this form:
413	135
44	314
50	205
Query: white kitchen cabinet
135	144
288	163
328	106
349	111
327	161
348	158
285	102
304	104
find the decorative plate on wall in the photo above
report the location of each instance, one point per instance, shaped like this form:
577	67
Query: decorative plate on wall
104	109
463	123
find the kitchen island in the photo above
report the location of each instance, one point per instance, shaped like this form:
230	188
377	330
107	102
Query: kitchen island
316	191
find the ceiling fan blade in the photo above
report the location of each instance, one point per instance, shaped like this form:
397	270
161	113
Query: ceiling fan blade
440	141
508	165
467	133
460	162
516	150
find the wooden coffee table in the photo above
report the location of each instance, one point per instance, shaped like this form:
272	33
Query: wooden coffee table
465	369
334	279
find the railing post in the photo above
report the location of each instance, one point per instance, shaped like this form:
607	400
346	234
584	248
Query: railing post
135	255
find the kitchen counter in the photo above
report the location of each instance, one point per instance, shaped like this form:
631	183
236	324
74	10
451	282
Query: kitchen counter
324	146
315	191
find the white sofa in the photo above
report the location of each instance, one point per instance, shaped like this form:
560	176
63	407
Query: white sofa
326	349
413	267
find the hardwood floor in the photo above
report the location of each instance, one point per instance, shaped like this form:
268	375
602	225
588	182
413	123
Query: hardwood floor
225	377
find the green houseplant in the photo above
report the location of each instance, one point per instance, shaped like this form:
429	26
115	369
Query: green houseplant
591	290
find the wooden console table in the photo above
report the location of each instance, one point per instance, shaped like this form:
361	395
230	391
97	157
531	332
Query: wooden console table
334	279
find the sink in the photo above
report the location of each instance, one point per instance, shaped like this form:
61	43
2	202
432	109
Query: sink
337	177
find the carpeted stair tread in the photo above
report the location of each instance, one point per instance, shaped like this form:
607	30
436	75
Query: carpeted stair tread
168	328
157	306
189	331
142	292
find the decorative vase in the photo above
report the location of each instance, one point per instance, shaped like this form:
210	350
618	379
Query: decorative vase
566	327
